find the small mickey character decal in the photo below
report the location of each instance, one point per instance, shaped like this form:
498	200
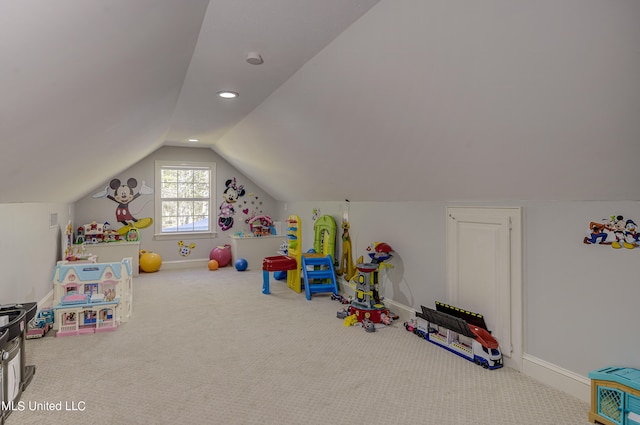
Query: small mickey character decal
185	250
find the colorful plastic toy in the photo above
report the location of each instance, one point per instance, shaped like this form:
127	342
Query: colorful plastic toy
150	262
343	314
368	302
379	252
222	254
319	274
338	297
615	396
261	225
462	332
133	234
294	237
213	265
350	320
241	264
91	298
346	261
325	235
41	324
368	325
278	263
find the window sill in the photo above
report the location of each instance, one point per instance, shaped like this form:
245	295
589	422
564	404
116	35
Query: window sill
184	235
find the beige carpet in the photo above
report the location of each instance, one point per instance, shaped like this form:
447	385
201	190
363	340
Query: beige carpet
209	348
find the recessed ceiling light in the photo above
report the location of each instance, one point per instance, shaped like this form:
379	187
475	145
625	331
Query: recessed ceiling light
193	140
227	94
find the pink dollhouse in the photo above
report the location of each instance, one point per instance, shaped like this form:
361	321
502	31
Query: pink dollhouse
91	297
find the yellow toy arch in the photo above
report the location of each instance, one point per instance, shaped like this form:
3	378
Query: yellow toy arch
325	235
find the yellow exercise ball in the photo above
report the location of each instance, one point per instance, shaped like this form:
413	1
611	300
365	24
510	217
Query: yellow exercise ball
150	261
213	265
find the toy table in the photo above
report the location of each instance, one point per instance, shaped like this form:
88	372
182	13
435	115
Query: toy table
615	396
278	263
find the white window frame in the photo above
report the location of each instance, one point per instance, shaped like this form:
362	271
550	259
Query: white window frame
159	234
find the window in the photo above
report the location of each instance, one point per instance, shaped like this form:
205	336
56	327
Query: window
185	193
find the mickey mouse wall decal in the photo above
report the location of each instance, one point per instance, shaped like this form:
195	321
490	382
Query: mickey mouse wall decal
123	195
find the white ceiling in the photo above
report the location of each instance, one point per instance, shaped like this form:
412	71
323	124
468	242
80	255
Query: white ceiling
391	101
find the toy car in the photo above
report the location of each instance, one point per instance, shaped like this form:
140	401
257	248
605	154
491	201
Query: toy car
41	324
368	325
385	319
340	298
34	333
343	314
411	325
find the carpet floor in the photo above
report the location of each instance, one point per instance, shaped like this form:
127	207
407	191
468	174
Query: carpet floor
208	347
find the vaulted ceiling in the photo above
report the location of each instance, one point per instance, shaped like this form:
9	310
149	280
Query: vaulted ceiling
389	100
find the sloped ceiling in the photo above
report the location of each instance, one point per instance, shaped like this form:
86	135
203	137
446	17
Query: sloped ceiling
378	101
87	89
458	100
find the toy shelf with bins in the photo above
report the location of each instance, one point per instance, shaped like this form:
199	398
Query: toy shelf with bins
615	396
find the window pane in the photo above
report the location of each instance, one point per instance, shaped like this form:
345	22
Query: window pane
201	223
200	190
169	208
201	176
169	175
169	224
201	208
185	190
185	208
185	224
169	190
185	175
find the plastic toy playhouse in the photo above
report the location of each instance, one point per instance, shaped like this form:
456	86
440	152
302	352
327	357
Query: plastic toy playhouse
615	396
91	298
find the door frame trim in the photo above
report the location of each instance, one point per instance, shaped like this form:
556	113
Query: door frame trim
517	310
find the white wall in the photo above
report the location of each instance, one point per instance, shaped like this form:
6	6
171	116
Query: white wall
580	301
89	209
30	249
409	227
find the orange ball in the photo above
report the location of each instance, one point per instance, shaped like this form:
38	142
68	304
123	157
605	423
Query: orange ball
213	265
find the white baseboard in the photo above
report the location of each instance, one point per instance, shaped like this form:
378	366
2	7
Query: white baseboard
404	312
557	377
46	301
184	264
538	369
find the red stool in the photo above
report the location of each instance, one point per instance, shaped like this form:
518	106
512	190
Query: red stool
276	264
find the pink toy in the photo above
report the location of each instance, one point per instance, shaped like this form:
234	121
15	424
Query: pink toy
222	254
